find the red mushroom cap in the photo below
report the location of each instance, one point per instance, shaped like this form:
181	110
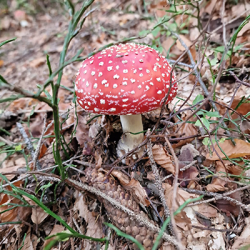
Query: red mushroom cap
124	79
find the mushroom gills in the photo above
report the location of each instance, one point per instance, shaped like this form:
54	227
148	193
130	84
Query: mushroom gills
128	141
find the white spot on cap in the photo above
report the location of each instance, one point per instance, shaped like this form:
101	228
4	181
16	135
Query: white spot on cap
80	102
124	61
96	109
99	57
91	61
132	80
106	85
85	71
83	80
102	101
87	84
93	73
117	67
147	70
104	81
139	87
136	100
124	83
89	103
159	92
95	86
110	61
109	55
115	86
112	109
86	107
135	71
125	71
151	83
125	100
84	65
158	59
116	76
100	74
158	79
132	92
163	74
101	63
147	87
110	68
155	68
141	60
124	105
141	75
140	68
167	86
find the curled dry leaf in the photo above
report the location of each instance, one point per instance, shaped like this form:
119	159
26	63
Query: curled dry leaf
181	197
162	158
241	149
56	229
218	184
38	214
15	214
94	227
243	239
133	186
186	130
82	135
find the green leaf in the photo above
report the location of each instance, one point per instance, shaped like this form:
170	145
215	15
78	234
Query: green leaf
2	143
198	98
156	31
143	33
206	141
213	114
205	123
18	147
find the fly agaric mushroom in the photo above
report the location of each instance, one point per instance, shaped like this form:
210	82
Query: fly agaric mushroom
126	80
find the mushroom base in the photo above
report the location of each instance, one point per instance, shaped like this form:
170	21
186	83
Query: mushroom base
128	141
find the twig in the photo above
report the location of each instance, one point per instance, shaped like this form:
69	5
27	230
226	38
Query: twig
35	157
158	183
28	142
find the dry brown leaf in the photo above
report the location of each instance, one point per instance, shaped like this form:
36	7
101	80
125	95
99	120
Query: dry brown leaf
162	158
94	227
16	214
181	197
188	43
241	149
38	214
187	129
28	243
1	63
56	229
218	184
244	238
38	62
134	186
82	135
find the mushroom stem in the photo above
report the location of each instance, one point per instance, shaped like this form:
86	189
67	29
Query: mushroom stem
130	123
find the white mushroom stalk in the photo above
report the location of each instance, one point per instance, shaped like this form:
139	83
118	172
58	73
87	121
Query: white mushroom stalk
128	141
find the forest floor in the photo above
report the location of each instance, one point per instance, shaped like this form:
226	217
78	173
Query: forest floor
196	152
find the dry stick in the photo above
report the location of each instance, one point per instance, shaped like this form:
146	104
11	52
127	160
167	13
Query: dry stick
175	183
181	170
238	80
39	144
83	187
158	184
217	197
28	142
